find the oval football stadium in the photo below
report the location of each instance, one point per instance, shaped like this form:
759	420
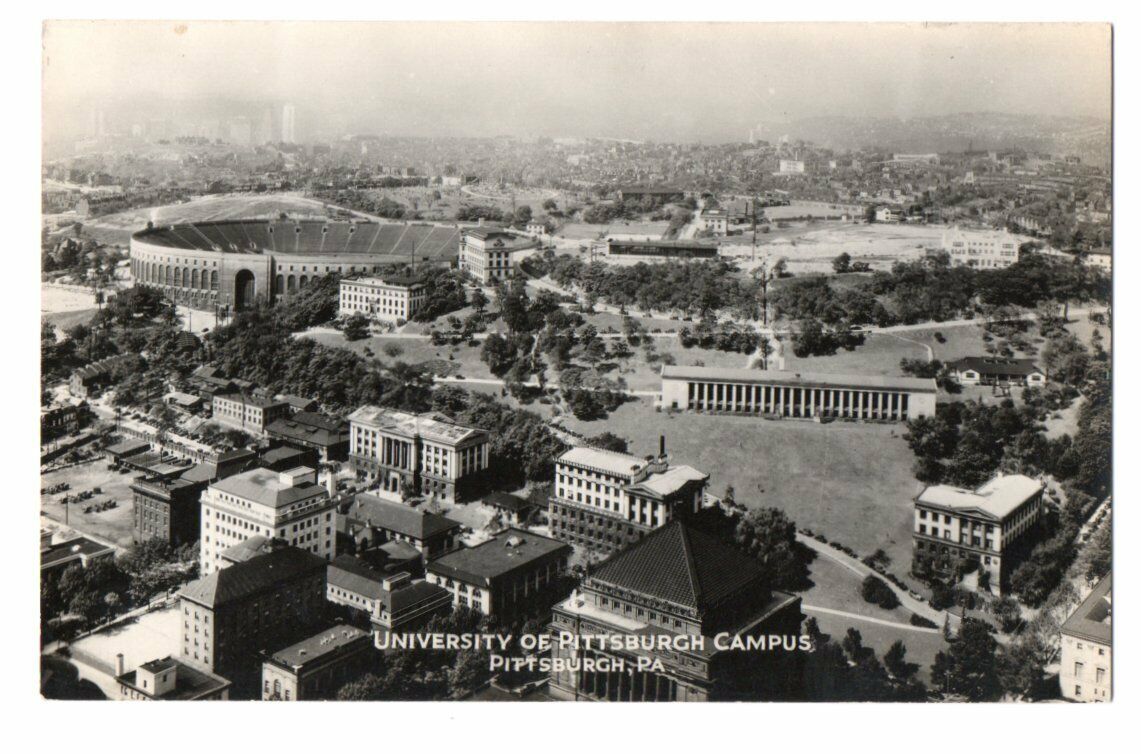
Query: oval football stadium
236	262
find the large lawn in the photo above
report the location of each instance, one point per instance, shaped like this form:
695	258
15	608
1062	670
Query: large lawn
880	354
642	375
852	482
921	646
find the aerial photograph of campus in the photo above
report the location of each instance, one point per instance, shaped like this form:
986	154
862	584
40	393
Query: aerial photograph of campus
618	362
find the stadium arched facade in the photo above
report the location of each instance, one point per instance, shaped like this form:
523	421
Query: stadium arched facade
238	262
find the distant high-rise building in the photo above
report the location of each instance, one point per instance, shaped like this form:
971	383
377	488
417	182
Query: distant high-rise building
289	124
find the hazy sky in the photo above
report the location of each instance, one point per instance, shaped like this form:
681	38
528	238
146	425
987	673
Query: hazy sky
665	81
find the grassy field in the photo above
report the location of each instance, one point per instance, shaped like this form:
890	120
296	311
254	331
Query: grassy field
879	355
837	588
851	482
921	646
114	525
645	376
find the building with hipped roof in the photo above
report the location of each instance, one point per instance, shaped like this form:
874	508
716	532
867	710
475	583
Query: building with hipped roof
261	603
310	430
513	574
487	255
675	591
372	521
606	500
989	528
394	602
417	454
995	370
1086	674
287	505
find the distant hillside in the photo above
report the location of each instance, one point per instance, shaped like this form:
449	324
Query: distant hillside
1089	138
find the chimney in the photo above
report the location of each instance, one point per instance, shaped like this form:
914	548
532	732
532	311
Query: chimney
331	484
119	664
661	446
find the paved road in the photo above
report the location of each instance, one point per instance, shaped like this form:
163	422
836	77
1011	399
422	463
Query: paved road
857	567
869	619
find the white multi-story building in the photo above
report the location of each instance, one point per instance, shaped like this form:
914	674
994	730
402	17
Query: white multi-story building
985	249
791	167
289	506
606	500
376	298
416	454
486	254
953	526
1086	674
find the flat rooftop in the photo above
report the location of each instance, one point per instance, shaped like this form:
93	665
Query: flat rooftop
319	646
265	487
500	555
998	498
798	379
432	427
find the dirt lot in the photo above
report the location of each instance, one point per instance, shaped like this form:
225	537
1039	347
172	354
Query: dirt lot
114	525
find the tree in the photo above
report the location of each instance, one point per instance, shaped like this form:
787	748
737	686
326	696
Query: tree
768	535
970	666
895	660
479	301
522	214
498	353
842	263
609	441
356	327
876	591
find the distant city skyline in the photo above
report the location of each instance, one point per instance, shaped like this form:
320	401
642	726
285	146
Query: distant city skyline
661	81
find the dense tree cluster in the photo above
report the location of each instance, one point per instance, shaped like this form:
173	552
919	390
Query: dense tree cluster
370	202
720	336
770	536
695	288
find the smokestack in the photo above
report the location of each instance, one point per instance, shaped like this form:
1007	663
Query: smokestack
661	446
119	664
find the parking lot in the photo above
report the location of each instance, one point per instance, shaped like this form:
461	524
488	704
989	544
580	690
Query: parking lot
113	525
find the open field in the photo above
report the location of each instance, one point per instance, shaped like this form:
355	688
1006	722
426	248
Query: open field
214	207
879	355
837	588
618	229
851	482
812	247
115	525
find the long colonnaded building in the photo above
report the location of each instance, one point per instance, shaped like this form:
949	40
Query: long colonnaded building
606	500
416	453
797	395
235	263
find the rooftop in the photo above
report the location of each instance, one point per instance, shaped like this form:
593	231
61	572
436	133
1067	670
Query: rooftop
610	461
258	574
1093	619
505	552
431	426
320	645
995	365
353	575
403	519
671	480
310	427
258	401
72	549
799	379
264	487
998	498
683	565
190	682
